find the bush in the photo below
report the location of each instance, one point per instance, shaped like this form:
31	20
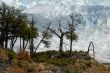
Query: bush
61	62
58	59
52	53
88	63
42	58
11	54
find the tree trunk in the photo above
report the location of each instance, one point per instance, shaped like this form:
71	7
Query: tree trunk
14	41
6	36
39	44
20	44
31	47
61	43
2	36
26	44
71	42
71	47
23	43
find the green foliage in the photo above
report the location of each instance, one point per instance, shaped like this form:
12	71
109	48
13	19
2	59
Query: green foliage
34	32
71	33
53	57
11	54
28	32
52	52
40	57
46	43
17	19
74	36
61	61
46	34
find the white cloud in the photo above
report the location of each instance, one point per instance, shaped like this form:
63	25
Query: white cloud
9	2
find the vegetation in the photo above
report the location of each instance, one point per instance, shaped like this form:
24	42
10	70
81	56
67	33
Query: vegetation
53	57
71	35
51	60
11	54
15	24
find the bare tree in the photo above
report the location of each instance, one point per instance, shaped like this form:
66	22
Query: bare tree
60	33
91	44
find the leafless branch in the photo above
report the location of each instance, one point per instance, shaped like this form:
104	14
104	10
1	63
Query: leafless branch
52	30
59	28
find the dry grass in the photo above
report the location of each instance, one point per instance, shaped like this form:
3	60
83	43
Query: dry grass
98	69
16	69
3	54
24	55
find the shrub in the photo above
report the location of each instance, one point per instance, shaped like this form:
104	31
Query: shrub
88	63
61	61
52	52
40	58
23	55
58	59
11	54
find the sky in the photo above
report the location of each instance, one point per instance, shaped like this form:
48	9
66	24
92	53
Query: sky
54	8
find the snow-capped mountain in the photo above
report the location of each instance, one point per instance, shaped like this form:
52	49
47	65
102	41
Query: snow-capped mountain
96	13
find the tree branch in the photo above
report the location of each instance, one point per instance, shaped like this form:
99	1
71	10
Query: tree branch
59	28
53	31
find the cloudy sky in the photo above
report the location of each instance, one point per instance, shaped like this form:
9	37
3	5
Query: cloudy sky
52	8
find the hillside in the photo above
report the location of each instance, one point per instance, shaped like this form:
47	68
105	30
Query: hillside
49	62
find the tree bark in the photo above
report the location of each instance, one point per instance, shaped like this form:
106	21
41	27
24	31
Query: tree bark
20	44
71	42
6	35
31	46
23	42
61	43
2	35
39	44
14	41
26	44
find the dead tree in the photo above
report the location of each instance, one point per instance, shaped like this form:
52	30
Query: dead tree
91	44
60	33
